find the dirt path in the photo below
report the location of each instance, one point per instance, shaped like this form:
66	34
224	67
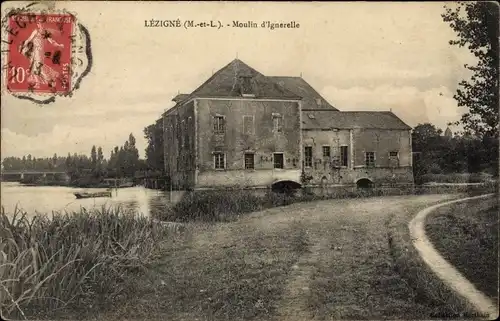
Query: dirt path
307	261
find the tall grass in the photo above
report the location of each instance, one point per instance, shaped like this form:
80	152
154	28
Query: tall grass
69	259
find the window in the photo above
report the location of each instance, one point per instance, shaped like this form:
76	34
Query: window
370	159
326	151
248	125
278	160
308	156
219	161
394	159
343	156
249	161
277	123
219	125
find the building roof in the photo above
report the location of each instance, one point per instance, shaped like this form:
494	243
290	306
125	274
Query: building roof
237	79
310	97
327	119
180	97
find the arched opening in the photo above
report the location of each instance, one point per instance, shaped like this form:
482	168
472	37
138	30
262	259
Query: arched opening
285	186
364	183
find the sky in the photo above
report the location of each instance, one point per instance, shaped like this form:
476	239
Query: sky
358	56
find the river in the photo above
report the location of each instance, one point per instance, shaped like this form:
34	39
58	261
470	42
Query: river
47	199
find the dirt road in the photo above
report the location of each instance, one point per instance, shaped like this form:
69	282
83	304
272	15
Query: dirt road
321	260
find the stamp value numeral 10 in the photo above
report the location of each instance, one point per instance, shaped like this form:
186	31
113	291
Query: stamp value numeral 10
18	75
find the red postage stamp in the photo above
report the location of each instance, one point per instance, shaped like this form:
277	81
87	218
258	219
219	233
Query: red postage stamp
39	53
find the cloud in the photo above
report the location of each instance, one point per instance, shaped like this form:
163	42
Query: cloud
76	139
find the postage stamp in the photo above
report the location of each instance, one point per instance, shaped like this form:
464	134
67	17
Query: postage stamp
40	53
46	54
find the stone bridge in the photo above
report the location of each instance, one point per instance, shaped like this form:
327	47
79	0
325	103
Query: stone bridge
18	175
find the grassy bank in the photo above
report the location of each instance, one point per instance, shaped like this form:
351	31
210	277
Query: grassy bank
228	205
428	289
457	178
466	234
72	261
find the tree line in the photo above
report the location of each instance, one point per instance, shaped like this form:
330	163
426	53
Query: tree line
123	162
435	153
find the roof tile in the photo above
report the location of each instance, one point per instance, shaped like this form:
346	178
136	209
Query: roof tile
327	119
310	97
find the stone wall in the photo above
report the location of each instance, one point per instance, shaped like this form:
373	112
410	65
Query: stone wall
262	140
329	170
179	143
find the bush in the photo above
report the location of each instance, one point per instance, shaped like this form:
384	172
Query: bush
227	205
212	206
72	258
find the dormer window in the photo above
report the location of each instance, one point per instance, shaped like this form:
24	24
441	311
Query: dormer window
246	89
319	102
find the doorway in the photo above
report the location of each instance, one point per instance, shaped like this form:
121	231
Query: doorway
278	160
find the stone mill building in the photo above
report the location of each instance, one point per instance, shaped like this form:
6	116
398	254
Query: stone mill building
241	128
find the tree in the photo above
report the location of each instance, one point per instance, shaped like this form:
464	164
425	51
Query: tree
100	156
476	25
120	162
29	164
54	161
100	161
425	136
428	145
93	157
131	156
154	150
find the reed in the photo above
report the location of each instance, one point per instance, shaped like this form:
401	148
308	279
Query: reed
52	263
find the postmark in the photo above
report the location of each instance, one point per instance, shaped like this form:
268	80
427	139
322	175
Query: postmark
45	53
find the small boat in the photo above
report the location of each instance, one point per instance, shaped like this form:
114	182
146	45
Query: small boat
92	195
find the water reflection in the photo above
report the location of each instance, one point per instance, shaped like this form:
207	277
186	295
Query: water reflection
46	199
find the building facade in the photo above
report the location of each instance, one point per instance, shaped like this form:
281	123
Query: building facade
243	129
